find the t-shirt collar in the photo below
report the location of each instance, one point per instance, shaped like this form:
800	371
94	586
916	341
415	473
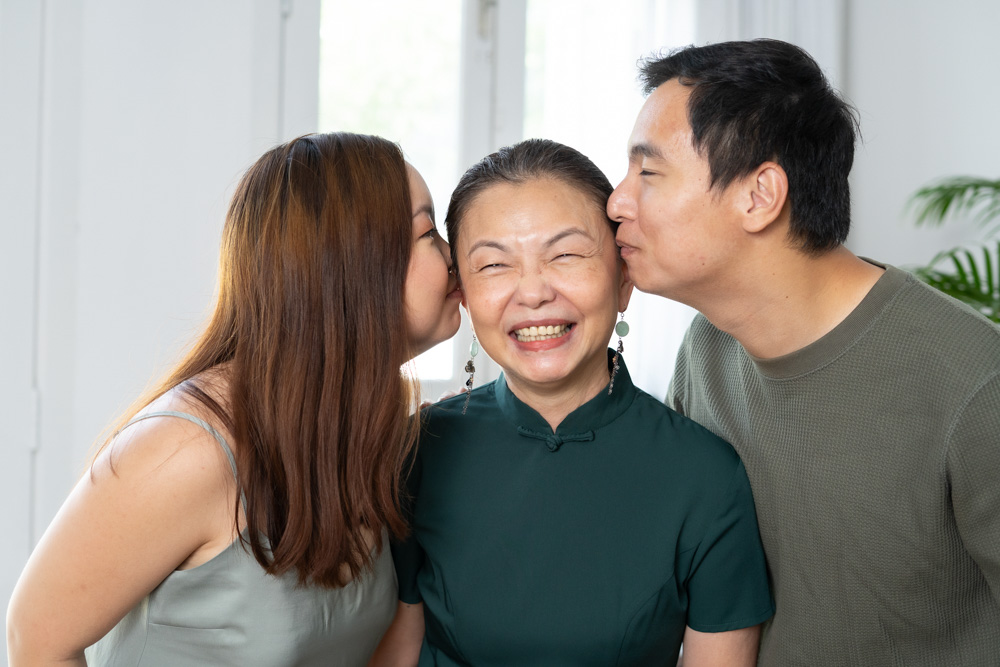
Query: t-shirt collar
823	351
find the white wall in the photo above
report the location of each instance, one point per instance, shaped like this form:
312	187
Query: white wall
923	75
19	96
124	127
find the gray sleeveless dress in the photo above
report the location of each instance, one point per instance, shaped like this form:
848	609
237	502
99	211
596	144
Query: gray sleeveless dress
228	611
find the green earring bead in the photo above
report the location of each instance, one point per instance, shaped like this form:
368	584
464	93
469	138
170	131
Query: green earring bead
622	330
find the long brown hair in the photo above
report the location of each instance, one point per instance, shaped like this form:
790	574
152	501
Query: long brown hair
310	322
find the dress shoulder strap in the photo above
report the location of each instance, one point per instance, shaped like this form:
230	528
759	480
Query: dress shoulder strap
194	420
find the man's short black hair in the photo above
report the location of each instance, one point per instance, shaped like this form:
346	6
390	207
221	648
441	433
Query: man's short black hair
761	100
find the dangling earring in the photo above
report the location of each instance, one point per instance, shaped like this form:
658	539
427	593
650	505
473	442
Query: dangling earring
470	368
622	330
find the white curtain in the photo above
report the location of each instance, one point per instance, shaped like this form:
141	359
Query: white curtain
818	26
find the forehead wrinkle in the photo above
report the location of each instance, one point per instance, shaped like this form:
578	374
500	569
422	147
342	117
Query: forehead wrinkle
487	244
567	232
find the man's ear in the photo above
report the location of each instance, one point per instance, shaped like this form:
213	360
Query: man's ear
766	194
625	287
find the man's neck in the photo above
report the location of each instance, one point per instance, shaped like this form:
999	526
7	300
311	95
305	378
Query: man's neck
788	302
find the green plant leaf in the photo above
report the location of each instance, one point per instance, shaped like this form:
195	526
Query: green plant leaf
953	197
961	274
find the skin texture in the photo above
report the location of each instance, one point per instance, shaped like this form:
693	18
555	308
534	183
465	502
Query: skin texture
168	501
737	648
685	234
539	254
400	645
727	253
432	296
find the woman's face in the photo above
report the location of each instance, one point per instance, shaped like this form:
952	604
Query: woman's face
431	295
542	283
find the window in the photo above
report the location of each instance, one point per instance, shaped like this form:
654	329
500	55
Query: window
389	69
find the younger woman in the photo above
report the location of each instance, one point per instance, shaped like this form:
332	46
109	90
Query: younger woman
240	514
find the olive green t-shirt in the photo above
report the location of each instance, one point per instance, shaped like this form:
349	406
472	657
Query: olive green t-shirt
874	455
593	545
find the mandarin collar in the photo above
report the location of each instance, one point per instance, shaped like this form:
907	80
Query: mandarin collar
579	425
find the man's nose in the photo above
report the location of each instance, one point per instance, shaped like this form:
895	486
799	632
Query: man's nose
621	203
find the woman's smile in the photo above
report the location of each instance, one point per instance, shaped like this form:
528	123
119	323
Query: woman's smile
543	332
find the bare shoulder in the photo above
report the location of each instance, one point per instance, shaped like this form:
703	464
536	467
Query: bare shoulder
163	443
160	497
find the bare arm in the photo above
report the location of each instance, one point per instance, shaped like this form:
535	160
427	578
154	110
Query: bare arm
736	648
400	646
117	536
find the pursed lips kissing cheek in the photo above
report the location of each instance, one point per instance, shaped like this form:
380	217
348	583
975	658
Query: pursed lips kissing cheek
624	248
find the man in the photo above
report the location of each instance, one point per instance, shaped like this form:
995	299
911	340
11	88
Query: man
865	405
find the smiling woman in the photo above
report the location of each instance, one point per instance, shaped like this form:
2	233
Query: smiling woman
534	261
566	517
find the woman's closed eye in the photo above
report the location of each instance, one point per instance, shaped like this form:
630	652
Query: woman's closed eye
572	252
430	233
492	265
488	259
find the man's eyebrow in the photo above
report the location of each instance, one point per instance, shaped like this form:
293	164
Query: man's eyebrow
637	151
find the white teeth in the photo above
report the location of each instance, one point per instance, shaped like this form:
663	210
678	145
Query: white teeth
529	334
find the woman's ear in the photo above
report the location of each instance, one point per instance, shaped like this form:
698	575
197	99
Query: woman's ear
625	287
767	190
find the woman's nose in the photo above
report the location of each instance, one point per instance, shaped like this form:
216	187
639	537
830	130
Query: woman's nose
534	289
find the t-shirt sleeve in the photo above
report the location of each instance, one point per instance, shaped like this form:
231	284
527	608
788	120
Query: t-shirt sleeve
677	390
728	586
408	555
974	471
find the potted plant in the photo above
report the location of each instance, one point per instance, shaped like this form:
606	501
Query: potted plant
969	275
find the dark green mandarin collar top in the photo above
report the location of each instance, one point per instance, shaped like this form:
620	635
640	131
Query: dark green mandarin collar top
579	425
596	544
